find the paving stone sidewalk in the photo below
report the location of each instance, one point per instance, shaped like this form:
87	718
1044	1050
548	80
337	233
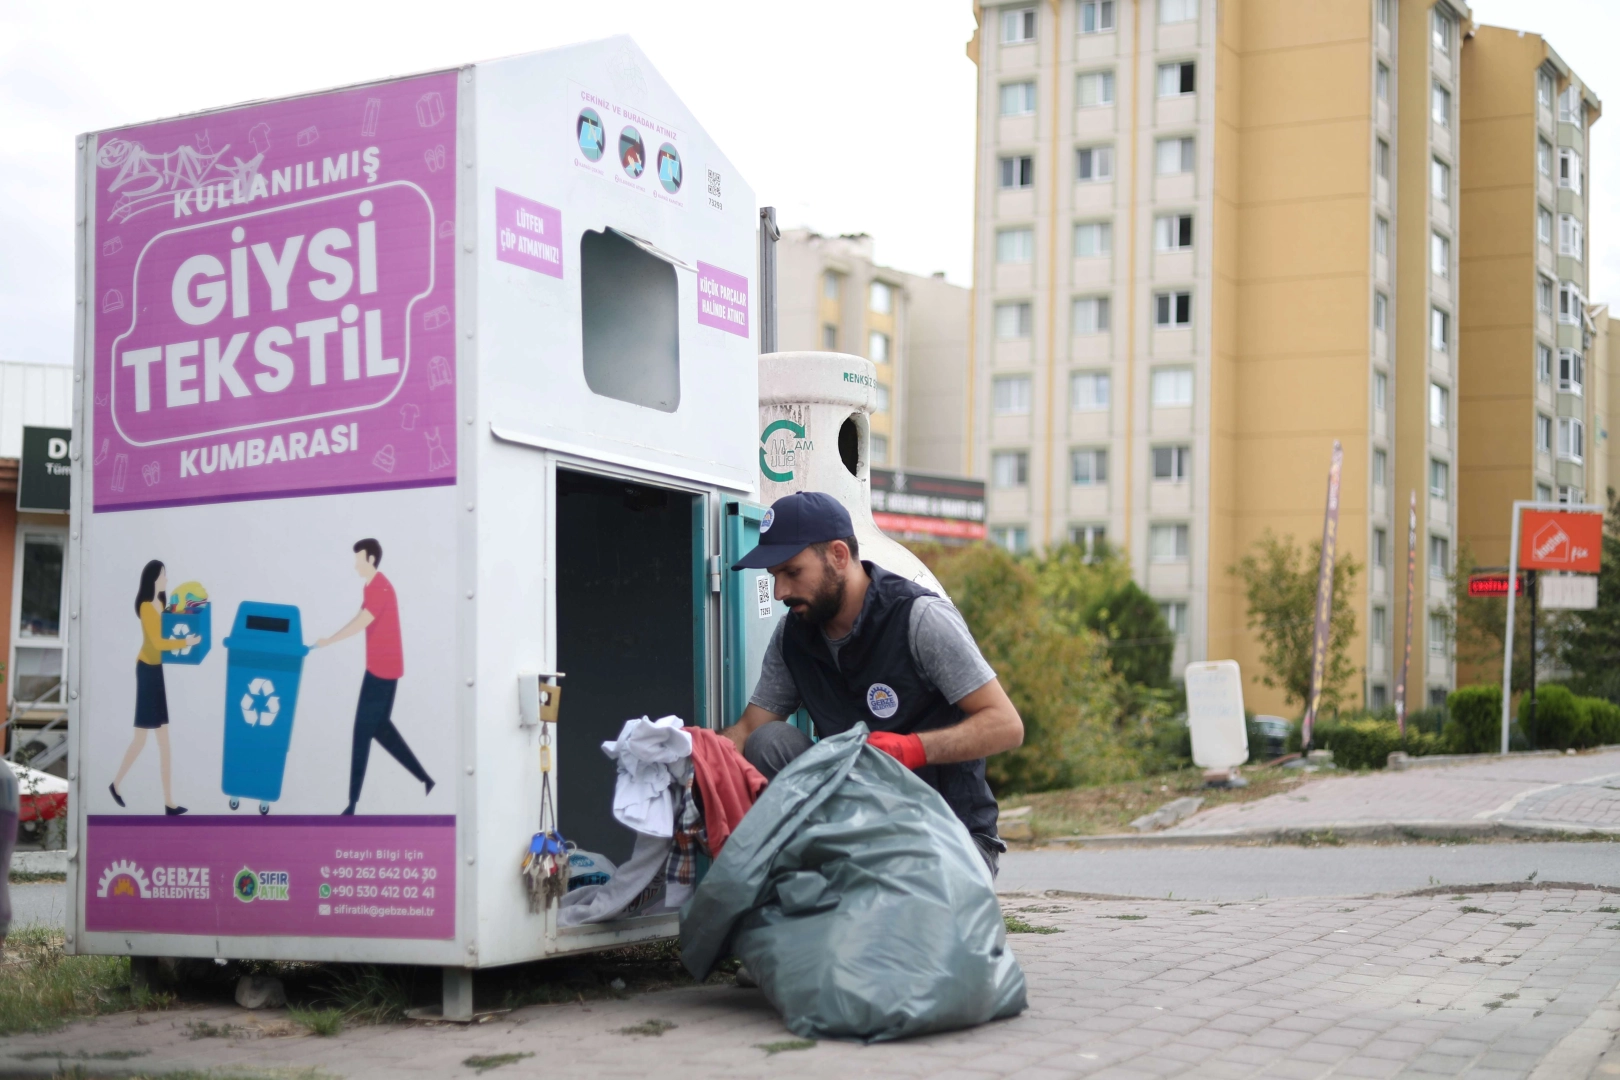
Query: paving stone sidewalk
1581	791
1507	983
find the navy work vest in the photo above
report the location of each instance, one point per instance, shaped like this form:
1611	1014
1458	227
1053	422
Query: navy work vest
876	680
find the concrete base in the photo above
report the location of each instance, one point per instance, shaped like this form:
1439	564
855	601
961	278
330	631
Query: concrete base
458	994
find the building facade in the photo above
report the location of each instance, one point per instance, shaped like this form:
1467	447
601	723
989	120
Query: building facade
1210	241
832	296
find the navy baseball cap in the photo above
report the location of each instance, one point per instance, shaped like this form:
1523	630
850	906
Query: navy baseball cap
793	523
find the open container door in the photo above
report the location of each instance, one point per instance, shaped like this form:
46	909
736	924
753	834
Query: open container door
749	612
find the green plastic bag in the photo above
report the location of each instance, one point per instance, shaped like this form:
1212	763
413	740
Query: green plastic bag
858	901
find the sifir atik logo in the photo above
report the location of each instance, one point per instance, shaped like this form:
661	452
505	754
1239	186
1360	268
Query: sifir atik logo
250	885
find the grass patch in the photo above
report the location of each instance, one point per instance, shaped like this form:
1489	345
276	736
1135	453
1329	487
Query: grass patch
1493	1004
80	1055
362	994
36	877
1608	909
1518	925
1124	918
1015	925
1470	909
322	1022
485	1062
42	988
202	1029
1318	838
1110	808
1200	913
786	1045
649	1027
1460	896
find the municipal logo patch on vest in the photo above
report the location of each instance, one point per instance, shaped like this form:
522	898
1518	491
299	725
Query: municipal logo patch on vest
882	700
767	521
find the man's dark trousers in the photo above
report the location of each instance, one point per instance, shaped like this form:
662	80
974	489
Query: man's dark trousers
373	720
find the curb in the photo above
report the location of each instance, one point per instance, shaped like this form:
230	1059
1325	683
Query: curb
1346	831
40	862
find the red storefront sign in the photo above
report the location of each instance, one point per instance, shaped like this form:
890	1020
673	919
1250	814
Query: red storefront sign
1560	540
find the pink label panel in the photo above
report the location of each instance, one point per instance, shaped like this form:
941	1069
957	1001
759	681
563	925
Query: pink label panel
528	234
368	877
722	299
275	299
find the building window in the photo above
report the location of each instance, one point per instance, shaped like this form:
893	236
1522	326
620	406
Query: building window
1380	312
1173	156
1088	537
1009	468
1571	439
1175	616
1018	172
1177	11
1017	26
1093	239
1171	463
1439	479
1381	159
1015	538
1440	180
1439	330
881	298
1571	496
882	396
1569	170
1017	99
829	337
1088	391
1381	82
877	347
1439	406
1544	294
1013	320
1543	363
1383	7
1441	27
1093	89
1440	105
1439	557
1544	429
1088	467
1097	16
1167	543
1544	89
1544	220
1093	164
1380	548
1571	371
879	448
1011	394
1015	245
1173	232
831	285
1377	696
1172	309
1090	315
1171	387
1439	629
1380	626
1439	255
1380	391
1571	237
1571	107
1380	467
1381	236
1544	155
1544	493
1570	304
39	613
1177	79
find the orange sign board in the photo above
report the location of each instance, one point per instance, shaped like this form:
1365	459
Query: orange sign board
1560	540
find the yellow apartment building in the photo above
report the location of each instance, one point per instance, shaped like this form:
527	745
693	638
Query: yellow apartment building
1210	240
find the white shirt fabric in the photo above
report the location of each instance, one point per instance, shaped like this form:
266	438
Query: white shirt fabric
652	755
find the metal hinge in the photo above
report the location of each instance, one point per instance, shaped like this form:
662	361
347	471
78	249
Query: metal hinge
714	573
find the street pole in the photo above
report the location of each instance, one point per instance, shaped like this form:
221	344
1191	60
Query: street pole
769	234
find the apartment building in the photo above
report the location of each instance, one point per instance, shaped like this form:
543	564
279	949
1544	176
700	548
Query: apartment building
832	296
1533	414
1210	241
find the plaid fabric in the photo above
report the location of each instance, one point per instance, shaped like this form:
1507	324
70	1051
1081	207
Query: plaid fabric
690	838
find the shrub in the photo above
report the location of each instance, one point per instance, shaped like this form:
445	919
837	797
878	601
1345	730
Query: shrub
1431	720
1558	721
1475	726
1366	743
1605	721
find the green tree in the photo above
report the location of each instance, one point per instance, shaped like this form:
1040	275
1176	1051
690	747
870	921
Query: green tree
1590	648
1479	624
1093	591
1279	583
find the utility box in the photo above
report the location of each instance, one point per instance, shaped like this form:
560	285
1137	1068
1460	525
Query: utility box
440	383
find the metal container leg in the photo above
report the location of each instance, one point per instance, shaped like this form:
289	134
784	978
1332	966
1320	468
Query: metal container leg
458	994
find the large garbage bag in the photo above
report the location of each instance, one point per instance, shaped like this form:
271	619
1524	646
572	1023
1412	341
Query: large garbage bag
858	901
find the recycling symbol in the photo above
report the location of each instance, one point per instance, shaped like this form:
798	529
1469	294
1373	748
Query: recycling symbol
260	704
180	631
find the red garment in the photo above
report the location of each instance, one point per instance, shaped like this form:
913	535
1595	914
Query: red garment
385	656
727	784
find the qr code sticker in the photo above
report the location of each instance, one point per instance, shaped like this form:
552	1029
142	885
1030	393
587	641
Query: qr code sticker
714	183
762	594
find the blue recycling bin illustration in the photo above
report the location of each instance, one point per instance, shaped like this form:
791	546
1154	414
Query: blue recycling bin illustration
264	663
188	613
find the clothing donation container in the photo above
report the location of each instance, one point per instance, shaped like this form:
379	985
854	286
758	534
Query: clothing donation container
443	384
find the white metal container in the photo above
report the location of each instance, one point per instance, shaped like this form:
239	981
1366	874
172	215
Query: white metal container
496	318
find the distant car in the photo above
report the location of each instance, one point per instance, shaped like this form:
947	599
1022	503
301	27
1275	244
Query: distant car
1274	734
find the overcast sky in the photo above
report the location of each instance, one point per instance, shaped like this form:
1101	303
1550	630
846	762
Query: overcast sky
848	115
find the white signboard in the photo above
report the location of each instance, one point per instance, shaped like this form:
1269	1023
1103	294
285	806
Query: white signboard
1574	592
1220	738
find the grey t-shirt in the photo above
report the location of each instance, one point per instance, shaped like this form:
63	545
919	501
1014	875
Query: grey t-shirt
941	647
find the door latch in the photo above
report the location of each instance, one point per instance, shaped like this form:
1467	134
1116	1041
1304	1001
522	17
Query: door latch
539	698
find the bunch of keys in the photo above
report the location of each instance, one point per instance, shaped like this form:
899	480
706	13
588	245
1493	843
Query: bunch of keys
545	870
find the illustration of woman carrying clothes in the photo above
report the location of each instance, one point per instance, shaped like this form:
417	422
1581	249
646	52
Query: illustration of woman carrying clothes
151	701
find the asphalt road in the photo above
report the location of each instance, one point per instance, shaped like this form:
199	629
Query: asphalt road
1248	873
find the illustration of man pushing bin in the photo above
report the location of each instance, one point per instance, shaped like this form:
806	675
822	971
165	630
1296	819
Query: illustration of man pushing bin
385	664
